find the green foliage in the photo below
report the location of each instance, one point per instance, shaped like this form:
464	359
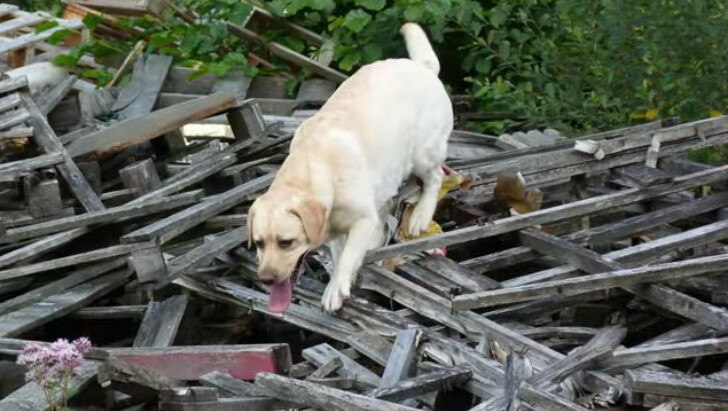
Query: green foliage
574	65
571	64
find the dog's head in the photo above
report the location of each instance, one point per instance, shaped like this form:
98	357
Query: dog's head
284	225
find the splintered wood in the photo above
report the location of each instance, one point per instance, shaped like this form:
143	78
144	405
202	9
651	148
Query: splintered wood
571	275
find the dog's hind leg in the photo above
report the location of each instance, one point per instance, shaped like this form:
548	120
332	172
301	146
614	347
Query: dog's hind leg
425	208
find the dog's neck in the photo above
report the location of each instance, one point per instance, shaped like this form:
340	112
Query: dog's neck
305	178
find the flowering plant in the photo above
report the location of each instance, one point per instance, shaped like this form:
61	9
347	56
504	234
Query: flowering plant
52	366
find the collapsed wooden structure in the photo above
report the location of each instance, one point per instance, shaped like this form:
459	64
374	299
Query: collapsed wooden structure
612	291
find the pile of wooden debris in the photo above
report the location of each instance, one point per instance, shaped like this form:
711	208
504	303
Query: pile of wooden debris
599	282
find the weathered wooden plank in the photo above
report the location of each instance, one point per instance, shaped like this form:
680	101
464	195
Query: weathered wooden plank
313	395
135	312
9	172
641	175
682	386
27	318
636	255
549	215
87	257
659	295
602	344
17	132
613	279
422	384
49	101
130	132
141	176
72	280
402	359
13	84
323	353
289	55
26	40
109	215
160	323
428	279
202	255
227	385
231	387
30	19
466	278
176	224
48	142
13	118
325	370
656	353
139	96
190	363
137	380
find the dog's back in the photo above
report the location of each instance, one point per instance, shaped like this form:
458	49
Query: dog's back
392	118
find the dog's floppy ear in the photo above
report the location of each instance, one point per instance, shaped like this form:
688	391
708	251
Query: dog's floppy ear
314	216
249	222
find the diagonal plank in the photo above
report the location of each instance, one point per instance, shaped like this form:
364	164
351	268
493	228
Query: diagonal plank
56	306
660	295
588	283
548	215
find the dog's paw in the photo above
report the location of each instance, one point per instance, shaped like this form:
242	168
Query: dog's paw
419	222
335	294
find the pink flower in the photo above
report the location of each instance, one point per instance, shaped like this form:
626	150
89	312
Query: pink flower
50	364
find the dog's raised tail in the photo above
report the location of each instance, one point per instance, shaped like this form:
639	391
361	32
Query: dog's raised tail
419	47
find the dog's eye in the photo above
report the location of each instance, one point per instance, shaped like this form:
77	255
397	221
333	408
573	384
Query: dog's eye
260	244
283	244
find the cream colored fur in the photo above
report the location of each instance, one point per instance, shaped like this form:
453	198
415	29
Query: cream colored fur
390	120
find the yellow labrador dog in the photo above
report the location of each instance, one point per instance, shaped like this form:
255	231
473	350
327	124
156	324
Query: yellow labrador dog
389	120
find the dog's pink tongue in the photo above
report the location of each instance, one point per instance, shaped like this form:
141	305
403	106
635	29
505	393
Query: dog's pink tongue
280	297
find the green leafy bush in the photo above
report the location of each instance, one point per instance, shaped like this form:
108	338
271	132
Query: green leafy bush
575	65
566	63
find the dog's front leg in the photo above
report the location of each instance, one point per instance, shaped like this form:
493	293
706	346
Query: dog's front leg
361	237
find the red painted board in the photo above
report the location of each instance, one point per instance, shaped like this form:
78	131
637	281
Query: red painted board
190	363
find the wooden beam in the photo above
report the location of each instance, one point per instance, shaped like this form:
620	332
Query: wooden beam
49	143
323	353
677	385
402	359
321	397
135	312
190	363
659	295
50	308
130	132
109	215
612	279
87	257
160	323
636	255
80	276
289	55
9	172
656	353
176	224
422	384
549	215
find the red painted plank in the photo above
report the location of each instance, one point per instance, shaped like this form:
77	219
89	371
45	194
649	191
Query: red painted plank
190	363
